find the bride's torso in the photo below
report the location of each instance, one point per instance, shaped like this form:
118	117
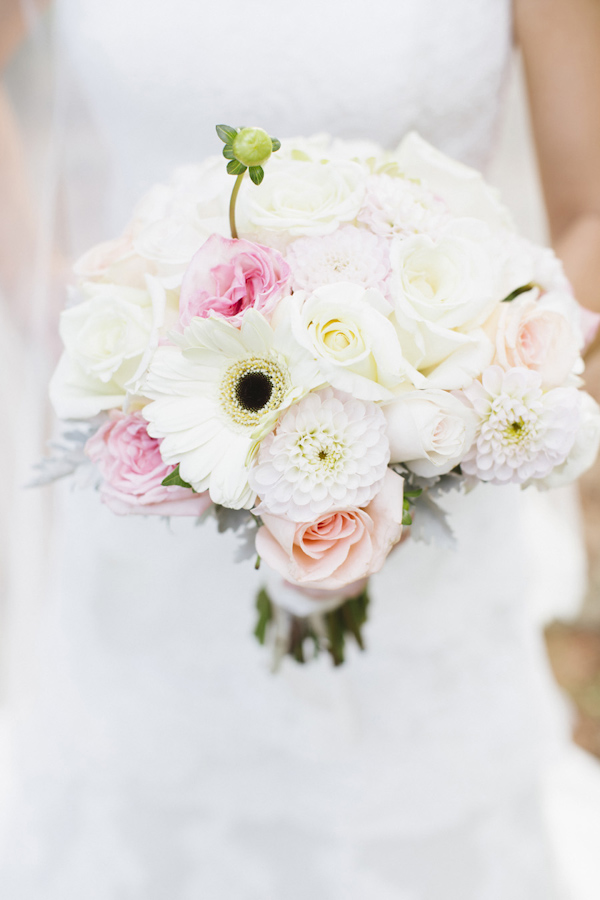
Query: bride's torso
168	692
173	606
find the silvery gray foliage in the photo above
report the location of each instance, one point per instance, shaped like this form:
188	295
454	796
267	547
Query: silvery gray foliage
67	456
430	520
430	523
243	523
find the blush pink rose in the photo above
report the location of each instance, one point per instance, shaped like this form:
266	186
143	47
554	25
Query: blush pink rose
130	463
339	548
532	337
228	276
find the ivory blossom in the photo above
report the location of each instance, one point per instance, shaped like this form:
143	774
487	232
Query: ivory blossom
377	314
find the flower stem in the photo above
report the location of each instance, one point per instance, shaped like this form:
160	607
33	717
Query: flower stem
234	193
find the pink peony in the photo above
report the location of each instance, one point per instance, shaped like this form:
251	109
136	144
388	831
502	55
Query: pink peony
228	276
531	336
338	548
133	469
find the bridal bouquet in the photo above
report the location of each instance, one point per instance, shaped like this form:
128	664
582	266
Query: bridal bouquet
317	357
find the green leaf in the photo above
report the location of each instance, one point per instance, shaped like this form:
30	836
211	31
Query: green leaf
351	623
406	518
265	614
234	167
226	133
257	173
335	633
276	144
228	152
519	290
175	479
413	494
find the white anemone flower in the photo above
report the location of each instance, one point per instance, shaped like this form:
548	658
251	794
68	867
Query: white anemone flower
329	451
524	432
218	393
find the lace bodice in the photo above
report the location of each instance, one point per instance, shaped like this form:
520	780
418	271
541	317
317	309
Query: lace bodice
157	77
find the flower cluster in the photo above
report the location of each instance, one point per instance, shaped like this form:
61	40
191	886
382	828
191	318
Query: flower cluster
376	326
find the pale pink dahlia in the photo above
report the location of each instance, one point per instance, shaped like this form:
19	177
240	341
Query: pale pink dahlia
400	206
524	432
329	451
349	254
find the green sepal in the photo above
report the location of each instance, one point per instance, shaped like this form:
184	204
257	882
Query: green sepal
226	133
412	495
174	479
406	518
265	614
276	144
228	152
257	173
517	291
234	167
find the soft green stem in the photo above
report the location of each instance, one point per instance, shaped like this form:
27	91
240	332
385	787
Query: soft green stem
234	193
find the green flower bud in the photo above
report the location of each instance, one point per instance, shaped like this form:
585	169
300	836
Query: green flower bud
252	146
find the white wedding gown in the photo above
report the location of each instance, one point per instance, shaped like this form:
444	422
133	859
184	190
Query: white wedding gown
162	760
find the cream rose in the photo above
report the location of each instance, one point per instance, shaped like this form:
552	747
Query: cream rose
430	431
106	337
301	198
462	188
530	334
339	548
346	328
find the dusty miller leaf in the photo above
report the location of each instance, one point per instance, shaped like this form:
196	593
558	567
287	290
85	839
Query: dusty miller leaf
67	454
430	523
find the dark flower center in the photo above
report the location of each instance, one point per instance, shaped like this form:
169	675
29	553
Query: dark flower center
253	391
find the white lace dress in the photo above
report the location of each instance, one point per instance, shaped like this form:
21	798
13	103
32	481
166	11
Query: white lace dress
162	759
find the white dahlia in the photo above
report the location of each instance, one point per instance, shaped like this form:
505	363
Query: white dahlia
329	451
349	254
523	432
217	394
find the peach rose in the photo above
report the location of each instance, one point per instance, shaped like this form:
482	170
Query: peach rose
338	548
130	463
531	336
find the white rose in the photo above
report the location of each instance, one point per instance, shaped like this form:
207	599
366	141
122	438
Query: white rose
173	221
430	431
462	188
322	148
106	338
584	451
346	328
523	262
301	198
449	280
443	290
